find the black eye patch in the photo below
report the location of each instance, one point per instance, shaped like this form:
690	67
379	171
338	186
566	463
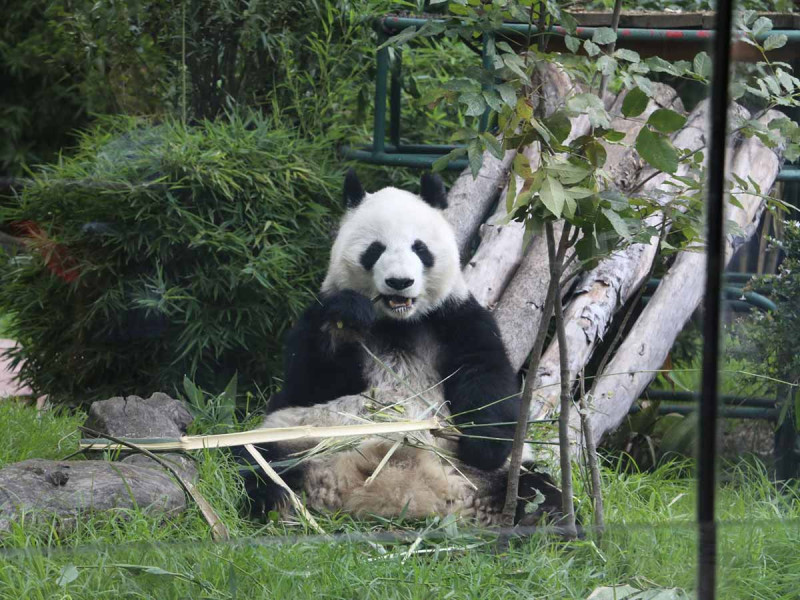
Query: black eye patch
371	255
421	250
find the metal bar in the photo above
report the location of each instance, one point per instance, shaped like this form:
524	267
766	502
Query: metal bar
715	265
395	97
728	399
421	161
379	127
790	173
626	33
440	149
732	294
729	412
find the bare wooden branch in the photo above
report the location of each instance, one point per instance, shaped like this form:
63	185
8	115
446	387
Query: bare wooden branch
501	249
674	301
262	436
605	289
590	447
521	429
567	504
273	475
470	199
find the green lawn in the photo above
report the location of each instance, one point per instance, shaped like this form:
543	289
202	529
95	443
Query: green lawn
650	542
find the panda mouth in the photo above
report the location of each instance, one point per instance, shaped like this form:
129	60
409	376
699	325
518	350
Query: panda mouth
398	304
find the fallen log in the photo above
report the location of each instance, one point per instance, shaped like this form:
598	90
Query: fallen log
610	285
518	310
471	198
501	248
644	350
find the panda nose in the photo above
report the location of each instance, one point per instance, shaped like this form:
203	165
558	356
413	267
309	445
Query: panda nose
399	284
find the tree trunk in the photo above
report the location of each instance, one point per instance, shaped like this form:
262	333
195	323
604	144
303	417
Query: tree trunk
610	285
646	346
470	199
501	249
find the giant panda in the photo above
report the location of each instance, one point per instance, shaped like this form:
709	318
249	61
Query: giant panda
396	334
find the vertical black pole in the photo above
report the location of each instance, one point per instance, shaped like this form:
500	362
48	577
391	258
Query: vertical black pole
706	582
381	85
395	97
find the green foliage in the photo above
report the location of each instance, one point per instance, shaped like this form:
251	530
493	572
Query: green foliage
28	433
166	251
571	182
63	62
770	339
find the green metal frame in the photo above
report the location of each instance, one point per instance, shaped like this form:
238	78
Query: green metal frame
388	87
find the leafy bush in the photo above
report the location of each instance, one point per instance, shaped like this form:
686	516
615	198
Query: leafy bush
63	61
167	250
771	338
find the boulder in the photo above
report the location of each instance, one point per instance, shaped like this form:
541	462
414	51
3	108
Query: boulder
68	489
158	416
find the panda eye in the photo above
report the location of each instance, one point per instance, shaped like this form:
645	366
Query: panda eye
371	255
421	250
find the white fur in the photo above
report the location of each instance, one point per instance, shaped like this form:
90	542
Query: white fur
397	219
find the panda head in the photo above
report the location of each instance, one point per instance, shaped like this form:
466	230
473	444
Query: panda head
397	248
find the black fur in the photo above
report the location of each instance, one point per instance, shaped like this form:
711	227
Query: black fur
420	248
432	190
483	385
263	493
371	255
323	362
353	190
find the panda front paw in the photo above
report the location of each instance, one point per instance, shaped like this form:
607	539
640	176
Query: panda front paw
485	454
348	310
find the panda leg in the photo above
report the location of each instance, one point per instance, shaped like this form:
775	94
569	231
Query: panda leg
264	494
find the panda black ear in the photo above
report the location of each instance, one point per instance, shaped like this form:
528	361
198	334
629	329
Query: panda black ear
353	190
431	189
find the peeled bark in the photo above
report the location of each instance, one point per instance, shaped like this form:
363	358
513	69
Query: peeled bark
470	198
644	350
610	285
501	249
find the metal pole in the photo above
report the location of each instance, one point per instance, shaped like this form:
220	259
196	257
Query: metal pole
395	92
382	75
707	548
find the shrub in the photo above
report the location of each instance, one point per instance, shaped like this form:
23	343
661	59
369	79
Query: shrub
770	339
164	250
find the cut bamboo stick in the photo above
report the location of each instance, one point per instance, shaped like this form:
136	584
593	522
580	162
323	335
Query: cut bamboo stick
263	436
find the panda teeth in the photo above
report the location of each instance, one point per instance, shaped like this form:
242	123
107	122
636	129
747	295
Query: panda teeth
402	306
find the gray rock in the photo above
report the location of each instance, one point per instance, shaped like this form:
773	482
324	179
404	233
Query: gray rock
70	488
180	462
158	416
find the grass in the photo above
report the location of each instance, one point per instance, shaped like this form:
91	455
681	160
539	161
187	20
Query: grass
650	542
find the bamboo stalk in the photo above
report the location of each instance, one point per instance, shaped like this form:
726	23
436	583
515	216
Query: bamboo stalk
264	436
273	475
219	532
